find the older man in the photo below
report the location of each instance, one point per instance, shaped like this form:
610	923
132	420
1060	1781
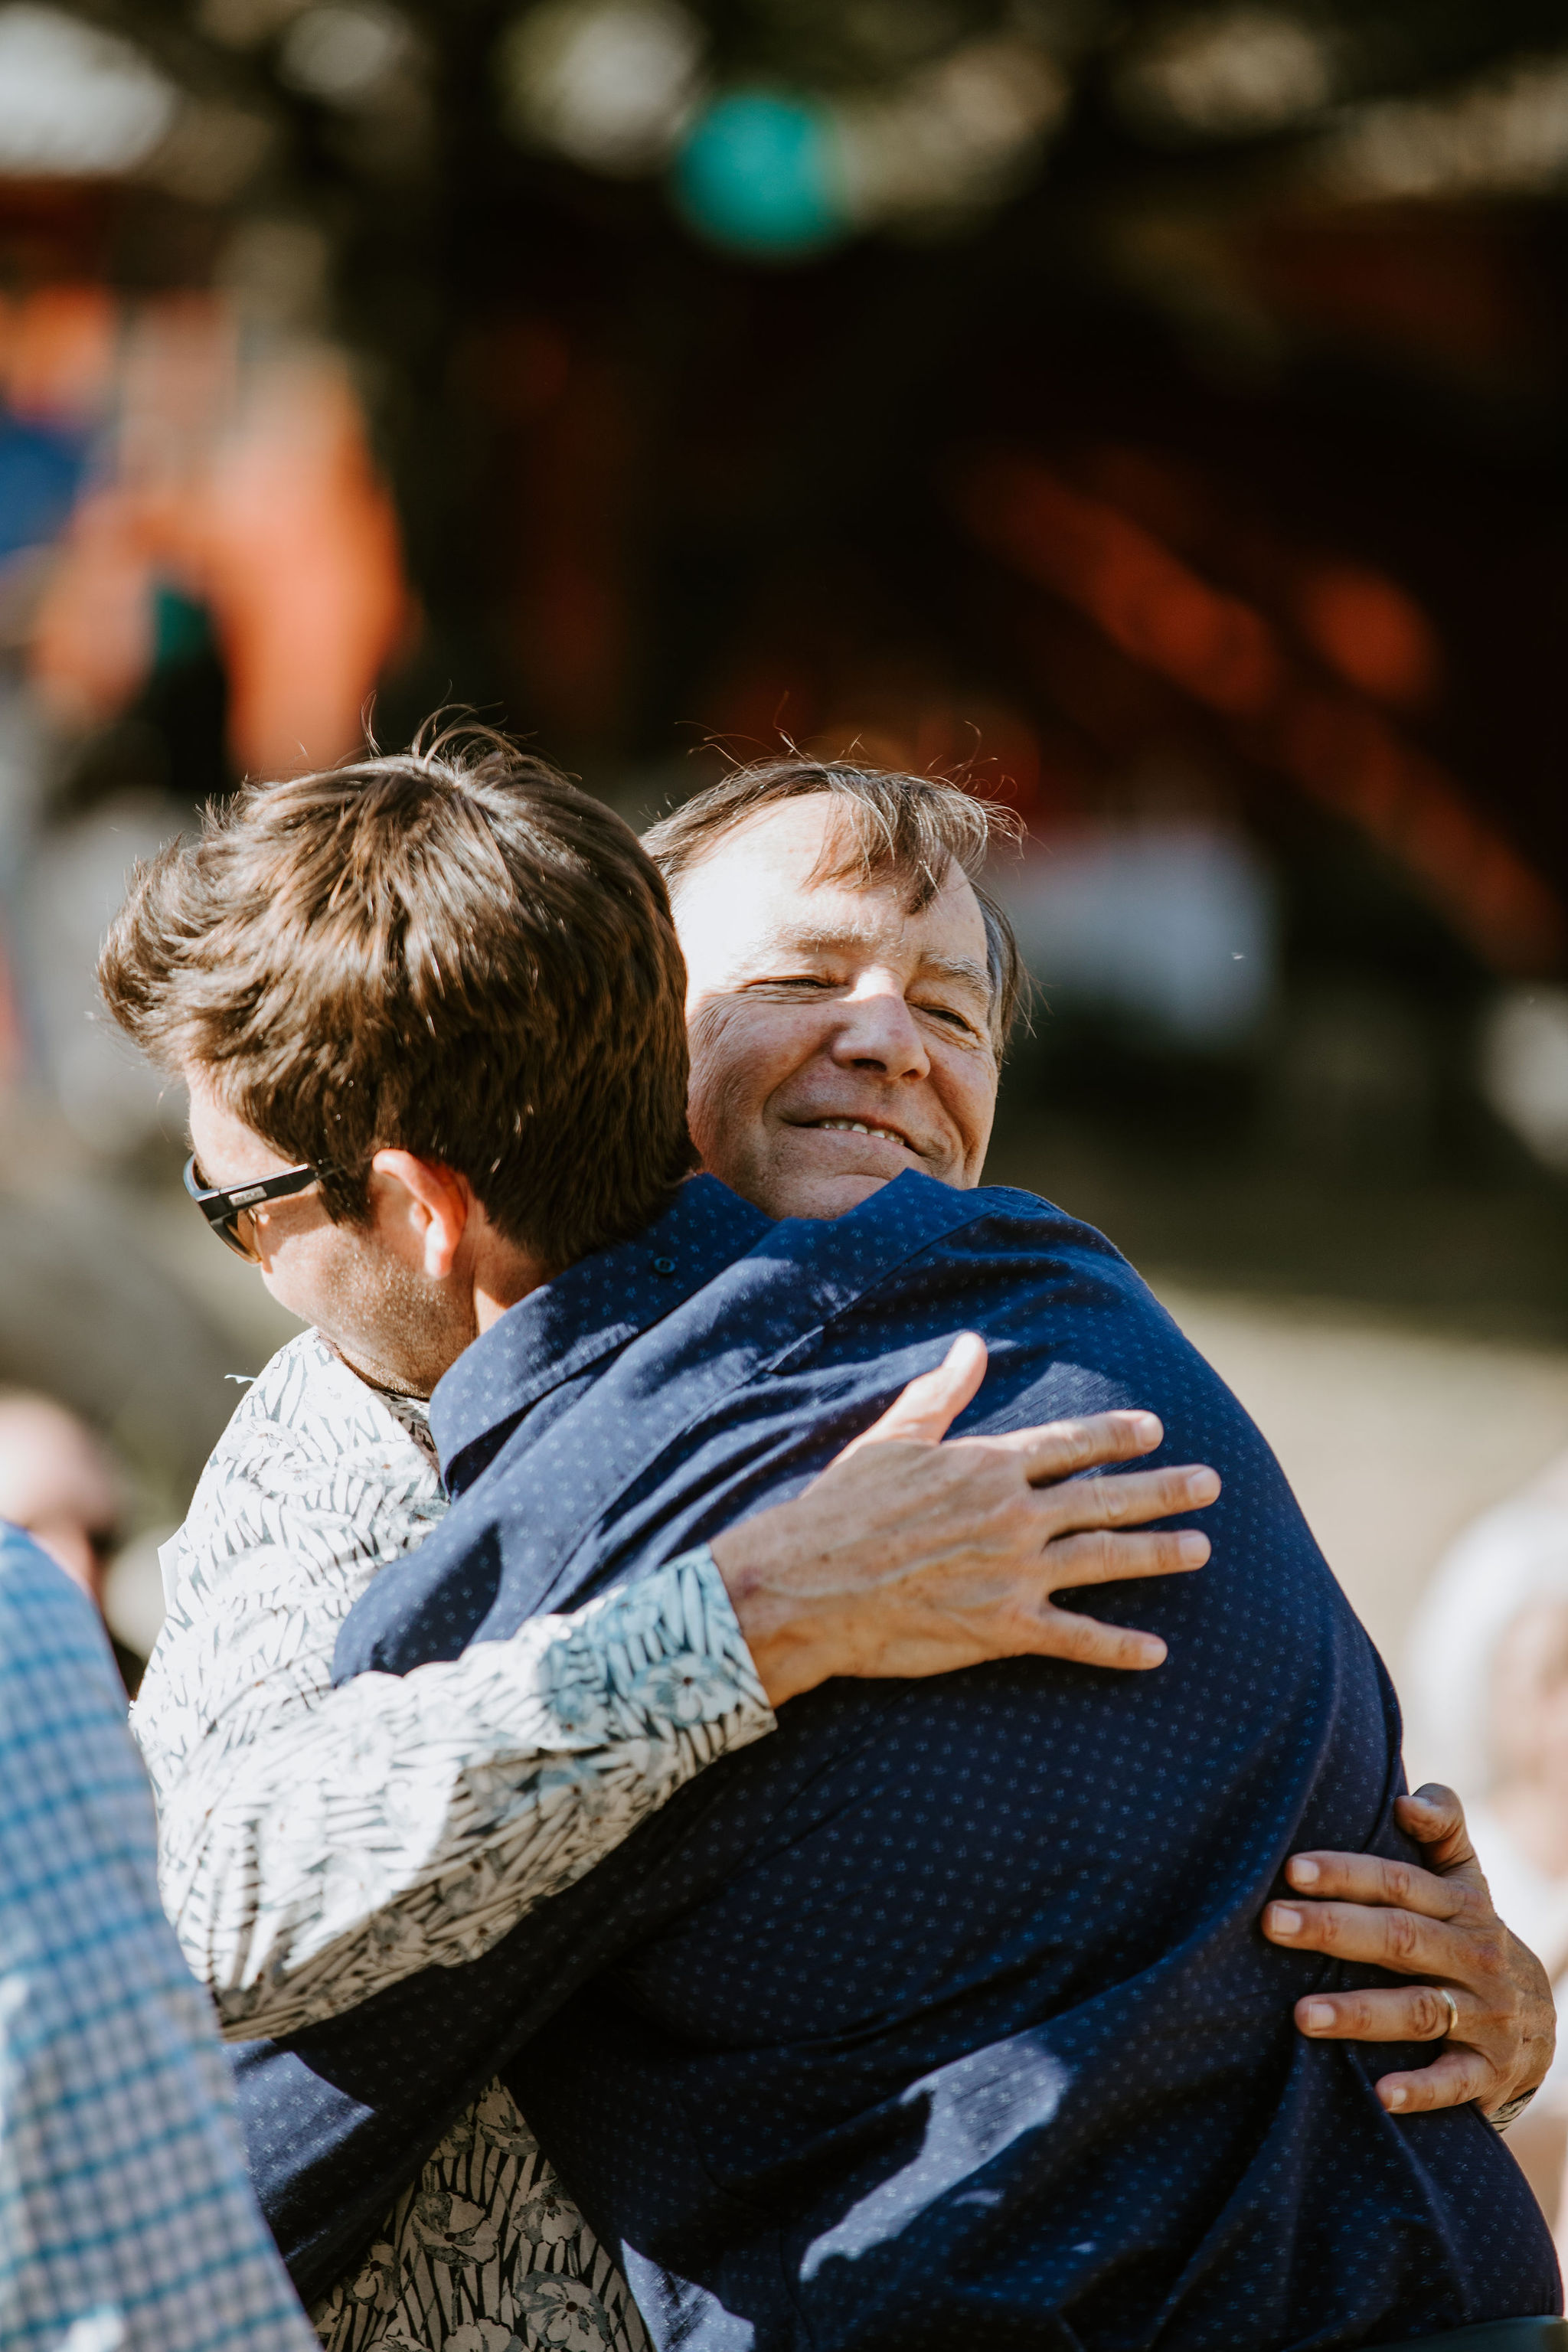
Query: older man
900	1075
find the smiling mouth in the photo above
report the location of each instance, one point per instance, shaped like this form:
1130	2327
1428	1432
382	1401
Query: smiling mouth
865	1127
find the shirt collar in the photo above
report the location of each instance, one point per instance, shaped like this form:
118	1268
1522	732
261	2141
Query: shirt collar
585	1315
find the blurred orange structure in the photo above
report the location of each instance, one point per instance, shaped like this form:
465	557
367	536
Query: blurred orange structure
244	482
1368	629
1281	712
58	351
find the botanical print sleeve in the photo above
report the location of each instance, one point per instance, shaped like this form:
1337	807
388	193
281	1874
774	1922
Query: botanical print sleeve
317	1844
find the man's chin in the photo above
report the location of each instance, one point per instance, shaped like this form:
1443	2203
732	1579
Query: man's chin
814	1194
811	1175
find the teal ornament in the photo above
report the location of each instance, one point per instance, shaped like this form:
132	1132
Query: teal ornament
182	628
757	174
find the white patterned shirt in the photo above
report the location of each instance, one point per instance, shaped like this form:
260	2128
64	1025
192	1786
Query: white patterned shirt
317	1844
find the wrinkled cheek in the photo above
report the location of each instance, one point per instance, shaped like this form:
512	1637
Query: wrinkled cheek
974	1125
727	1125
732	1074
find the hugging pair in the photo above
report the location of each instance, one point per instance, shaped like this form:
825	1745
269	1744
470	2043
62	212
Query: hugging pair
926	2008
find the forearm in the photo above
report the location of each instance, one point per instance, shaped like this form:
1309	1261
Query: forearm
411	1821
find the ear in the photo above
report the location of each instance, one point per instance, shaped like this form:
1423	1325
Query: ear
424	1210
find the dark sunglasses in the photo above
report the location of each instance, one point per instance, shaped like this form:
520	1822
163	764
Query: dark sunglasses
228	1213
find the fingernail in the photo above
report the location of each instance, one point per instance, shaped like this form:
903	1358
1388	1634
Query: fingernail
1151	1654
1319	2016
1397	2098
1147	1425
1284	1921
1193	1548
1304	1873
1203	1487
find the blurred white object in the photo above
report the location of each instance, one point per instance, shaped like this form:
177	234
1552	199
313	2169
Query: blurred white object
955	134
611	83
1170	923
212	152
342	51
1510	1558
1486	1691
1507	133
134	1593
75	885
1524	1068
73	99
1230	73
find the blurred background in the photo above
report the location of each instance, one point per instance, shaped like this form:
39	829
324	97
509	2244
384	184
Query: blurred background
1155	411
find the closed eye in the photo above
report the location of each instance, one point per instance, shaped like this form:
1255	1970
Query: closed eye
953	1018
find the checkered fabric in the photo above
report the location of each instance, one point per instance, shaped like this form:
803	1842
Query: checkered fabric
126	2220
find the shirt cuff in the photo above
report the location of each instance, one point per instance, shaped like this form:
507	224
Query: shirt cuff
667	1652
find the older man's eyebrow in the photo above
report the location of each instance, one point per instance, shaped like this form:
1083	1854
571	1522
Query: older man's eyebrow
823	939
962	969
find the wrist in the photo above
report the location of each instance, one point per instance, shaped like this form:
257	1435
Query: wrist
792	1633
1510	2111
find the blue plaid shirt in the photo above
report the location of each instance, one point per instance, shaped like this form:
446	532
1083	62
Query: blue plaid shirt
126	2220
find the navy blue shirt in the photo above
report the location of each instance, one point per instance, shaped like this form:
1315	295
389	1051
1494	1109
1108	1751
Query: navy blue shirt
941	2017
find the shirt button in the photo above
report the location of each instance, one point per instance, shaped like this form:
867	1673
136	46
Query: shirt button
664	1266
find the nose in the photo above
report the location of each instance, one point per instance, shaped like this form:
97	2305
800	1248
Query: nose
877	1032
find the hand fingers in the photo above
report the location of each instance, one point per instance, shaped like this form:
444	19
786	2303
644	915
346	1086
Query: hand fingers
1452	2080
1434	1816
1367	1878
1059	1633
1403	1941
1399	2013
1408	2013
1126	1498
933	1401
1101	1558
1056	1448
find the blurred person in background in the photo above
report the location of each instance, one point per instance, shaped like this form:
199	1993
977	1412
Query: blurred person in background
1522	1826
126	2223
59	1482
1487	1700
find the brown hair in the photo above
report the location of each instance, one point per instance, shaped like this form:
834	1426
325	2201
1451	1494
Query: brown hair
904	828
450	951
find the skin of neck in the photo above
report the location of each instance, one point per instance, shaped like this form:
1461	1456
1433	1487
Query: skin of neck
423	1279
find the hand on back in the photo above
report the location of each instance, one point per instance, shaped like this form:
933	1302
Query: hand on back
910	1555
1486	1999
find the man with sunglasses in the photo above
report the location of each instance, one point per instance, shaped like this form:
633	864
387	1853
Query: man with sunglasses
436	1319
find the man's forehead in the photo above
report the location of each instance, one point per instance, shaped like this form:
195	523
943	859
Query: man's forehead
760	891
900	930
796	847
